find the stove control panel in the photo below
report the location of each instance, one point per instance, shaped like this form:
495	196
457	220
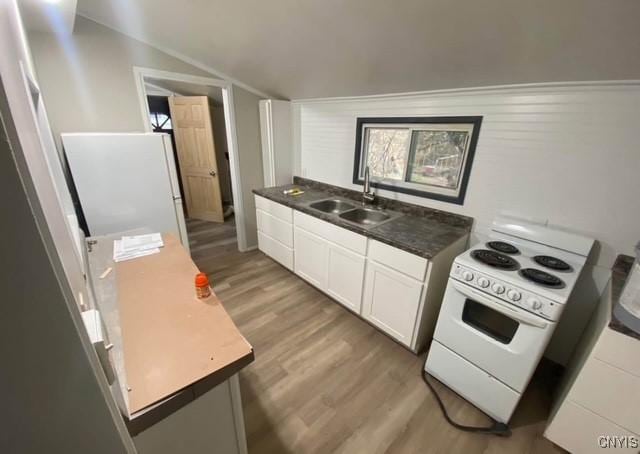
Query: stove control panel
529	301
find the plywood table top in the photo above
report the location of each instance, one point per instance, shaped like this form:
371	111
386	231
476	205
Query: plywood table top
170	338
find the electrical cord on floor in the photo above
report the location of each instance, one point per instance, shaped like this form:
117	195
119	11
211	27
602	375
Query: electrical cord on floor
497	428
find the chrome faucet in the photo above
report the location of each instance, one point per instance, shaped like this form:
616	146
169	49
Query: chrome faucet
367	195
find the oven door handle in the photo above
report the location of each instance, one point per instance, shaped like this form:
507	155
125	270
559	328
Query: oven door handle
505	310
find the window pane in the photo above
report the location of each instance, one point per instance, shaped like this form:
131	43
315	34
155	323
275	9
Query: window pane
437	157
165	122
387	151
160	121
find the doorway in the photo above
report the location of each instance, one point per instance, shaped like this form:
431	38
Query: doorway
198	115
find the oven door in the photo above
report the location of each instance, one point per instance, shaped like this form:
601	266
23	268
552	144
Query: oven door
502	339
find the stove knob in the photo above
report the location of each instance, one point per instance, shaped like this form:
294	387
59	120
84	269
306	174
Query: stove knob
499	289
514	295
535	304
467	275
483	282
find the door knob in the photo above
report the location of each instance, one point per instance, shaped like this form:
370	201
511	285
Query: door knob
212	173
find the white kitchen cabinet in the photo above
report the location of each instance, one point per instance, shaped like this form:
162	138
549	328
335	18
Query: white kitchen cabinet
345	277
605	360
275	230
332	233
398	292
399	260
276	250
311	255
391	301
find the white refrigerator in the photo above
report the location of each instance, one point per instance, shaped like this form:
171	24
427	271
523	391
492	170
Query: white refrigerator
126	181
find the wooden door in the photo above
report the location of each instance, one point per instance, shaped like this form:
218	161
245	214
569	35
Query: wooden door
191	120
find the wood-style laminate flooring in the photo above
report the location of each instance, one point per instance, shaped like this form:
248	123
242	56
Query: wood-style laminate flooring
325	381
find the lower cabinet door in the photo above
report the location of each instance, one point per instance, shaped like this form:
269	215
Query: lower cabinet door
310	257
345	277
391	301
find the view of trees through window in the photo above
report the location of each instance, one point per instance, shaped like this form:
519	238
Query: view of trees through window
430	157
436	157
387	152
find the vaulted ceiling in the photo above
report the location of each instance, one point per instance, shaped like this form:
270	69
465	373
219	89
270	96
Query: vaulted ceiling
317	48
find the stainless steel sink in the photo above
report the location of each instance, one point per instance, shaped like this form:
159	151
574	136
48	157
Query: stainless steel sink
365	216
332	206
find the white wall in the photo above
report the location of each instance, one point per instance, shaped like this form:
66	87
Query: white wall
566	154
55	396
248	132
87	77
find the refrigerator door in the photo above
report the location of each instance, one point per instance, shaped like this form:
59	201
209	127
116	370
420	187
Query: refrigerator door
175	188
182	225
123	181
171	166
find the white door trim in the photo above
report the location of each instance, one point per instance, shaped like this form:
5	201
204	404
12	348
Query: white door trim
140	73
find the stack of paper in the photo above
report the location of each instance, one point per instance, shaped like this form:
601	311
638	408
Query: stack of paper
131	247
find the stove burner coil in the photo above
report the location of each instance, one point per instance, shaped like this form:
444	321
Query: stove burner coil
552	263
503	247
541	277
495	259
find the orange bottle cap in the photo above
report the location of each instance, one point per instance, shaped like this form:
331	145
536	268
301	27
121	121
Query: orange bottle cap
202	280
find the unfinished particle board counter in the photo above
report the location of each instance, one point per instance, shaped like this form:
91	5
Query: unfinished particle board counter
176	357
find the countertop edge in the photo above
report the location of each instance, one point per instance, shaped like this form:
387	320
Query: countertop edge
365	232
145	418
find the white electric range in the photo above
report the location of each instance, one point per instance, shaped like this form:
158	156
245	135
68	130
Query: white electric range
501	306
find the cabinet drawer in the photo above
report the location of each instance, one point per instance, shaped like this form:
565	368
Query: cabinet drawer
406	263
619	350
609	392
274	209
276	250
577	429
275	228
330	232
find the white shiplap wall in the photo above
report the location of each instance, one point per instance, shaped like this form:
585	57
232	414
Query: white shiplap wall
565	154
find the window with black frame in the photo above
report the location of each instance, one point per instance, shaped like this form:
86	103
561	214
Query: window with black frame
424	156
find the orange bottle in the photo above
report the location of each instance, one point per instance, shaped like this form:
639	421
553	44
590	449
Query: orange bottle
202	286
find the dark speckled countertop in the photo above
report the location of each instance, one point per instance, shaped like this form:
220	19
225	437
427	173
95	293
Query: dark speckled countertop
619	273
421	231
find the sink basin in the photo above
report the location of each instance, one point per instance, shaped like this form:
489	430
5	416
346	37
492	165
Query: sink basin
332	206
365	216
